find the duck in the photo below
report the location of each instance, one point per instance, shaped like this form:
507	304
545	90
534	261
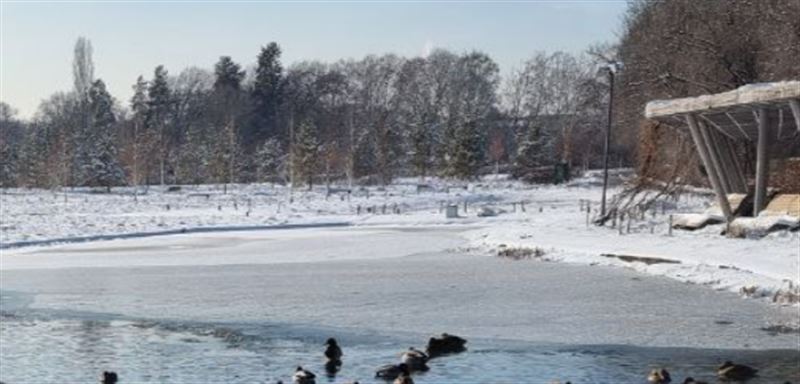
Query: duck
445	344
659	376
729	370
333	352
302	376
109	377
392	371
415	359
404	378
691	380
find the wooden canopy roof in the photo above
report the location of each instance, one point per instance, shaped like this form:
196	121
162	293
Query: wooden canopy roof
734	113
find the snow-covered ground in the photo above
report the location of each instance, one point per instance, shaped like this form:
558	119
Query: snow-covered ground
551	220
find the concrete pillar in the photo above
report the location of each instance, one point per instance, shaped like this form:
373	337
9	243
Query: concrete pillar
722	198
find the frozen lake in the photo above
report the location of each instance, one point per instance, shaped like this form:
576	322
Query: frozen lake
249	307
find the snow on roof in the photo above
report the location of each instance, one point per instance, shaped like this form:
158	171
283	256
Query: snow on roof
733	112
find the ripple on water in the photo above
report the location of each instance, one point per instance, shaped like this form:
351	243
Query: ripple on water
37	350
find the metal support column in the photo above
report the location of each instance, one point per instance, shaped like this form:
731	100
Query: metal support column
762	161
694	129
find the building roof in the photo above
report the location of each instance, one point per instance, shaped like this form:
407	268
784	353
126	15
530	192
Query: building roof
734	112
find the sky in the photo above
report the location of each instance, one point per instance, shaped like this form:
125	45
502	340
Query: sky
130	38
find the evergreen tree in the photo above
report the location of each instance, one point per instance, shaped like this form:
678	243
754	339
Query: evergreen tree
266	94
102	165
12	132
306	153
139	107
8	165
269	158
535	150
469	151
228	99
159	109
33	171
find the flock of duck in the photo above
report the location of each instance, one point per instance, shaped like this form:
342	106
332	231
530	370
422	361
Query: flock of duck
727	371
414	360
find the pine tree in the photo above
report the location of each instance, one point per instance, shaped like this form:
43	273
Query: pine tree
266	93
306	153
269	158
159	109
535	150
139	107
32	171
468	151
228	98
8	165
102	165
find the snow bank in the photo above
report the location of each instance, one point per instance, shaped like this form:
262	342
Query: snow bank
547	217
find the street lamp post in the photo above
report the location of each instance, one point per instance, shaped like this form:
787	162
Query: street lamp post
610	69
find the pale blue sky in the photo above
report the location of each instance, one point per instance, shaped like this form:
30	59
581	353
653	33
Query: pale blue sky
131	38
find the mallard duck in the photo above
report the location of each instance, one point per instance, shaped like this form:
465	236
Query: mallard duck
691	380
392	371
445	344
731	371
415	359
109	377
333	352
659	376
302	376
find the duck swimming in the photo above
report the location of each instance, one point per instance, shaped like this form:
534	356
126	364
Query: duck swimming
302	376
109	377
333	352
415	359
729	370
445	344
659	376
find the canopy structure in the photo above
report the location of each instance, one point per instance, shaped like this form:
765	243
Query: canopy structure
758	113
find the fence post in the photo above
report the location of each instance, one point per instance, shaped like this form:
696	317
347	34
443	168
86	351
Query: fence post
587	218
670	225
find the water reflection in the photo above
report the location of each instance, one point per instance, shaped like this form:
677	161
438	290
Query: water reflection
41	349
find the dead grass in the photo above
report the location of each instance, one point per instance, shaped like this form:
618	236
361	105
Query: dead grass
788	295
520	253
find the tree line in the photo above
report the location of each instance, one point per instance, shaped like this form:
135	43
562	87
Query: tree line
379	117
367	120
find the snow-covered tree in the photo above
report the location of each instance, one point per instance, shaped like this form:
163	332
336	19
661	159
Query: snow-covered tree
159	110
269	158
101	165
266	94
11	136
228	99
474	95
306	153
138	136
